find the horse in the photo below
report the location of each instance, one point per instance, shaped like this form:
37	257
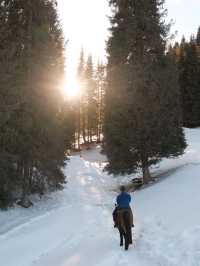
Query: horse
124	222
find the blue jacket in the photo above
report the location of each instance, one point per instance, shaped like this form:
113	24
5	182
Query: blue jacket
123	200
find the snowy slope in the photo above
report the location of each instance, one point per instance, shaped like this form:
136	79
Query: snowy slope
74	227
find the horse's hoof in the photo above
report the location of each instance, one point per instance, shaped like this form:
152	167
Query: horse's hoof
121	245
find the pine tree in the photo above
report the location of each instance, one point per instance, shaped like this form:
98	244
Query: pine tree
35	137
10	96
100	83
83	100
183	42
198	37
90	91
142	122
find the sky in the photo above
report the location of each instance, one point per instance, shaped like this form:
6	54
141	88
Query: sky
85	24
185	14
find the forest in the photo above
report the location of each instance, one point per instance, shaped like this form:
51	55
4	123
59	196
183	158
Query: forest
99	133
135	104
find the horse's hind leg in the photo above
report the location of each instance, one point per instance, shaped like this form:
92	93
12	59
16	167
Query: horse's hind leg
130	236
121	239
126	241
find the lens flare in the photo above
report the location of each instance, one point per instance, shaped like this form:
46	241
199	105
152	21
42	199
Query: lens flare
71	88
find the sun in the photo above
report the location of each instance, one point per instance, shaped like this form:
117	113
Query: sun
72	88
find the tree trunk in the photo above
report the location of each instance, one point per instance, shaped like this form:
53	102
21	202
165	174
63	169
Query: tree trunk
145	170
88	129
78	139
25	202
25	180
90	135
83	128
146	175
78	126
98	114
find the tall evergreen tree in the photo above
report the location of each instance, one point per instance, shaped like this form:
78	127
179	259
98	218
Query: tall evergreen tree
34	138
142	123
183	43
100	83
90	87
198	37
83	100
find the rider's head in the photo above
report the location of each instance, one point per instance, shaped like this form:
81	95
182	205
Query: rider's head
122	188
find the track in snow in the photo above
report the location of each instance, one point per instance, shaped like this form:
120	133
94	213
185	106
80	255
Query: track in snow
75	228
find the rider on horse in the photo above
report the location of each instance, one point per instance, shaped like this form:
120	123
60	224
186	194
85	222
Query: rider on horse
123	203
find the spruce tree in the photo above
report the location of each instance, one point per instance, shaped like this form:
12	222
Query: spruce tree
100	83
183	43
198	37
90	90
83	100
34	137
142	122
11	72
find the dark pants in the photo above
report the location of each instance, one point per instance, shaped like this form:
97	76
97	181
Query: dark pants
115	214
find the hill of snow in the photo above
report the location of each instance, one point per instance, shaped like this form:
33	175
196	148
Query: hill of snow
74	227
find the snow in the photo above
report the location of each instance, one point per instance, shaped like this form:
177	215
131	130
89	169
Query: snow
74	227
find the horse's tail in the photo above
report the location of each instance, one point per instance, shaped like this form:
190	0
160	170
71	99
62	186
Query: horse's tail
127	224
126	218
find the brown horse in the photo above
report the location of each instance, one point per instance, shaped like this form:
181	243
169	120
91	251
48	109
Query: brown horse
124	222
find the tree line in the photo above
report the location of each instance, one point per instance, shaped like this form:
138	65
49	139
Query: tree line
136	105
187	57
35	124
89	108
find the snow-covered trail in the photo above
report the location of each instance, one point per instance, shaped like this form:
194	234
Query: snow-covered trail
74	227
79	232
94	239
